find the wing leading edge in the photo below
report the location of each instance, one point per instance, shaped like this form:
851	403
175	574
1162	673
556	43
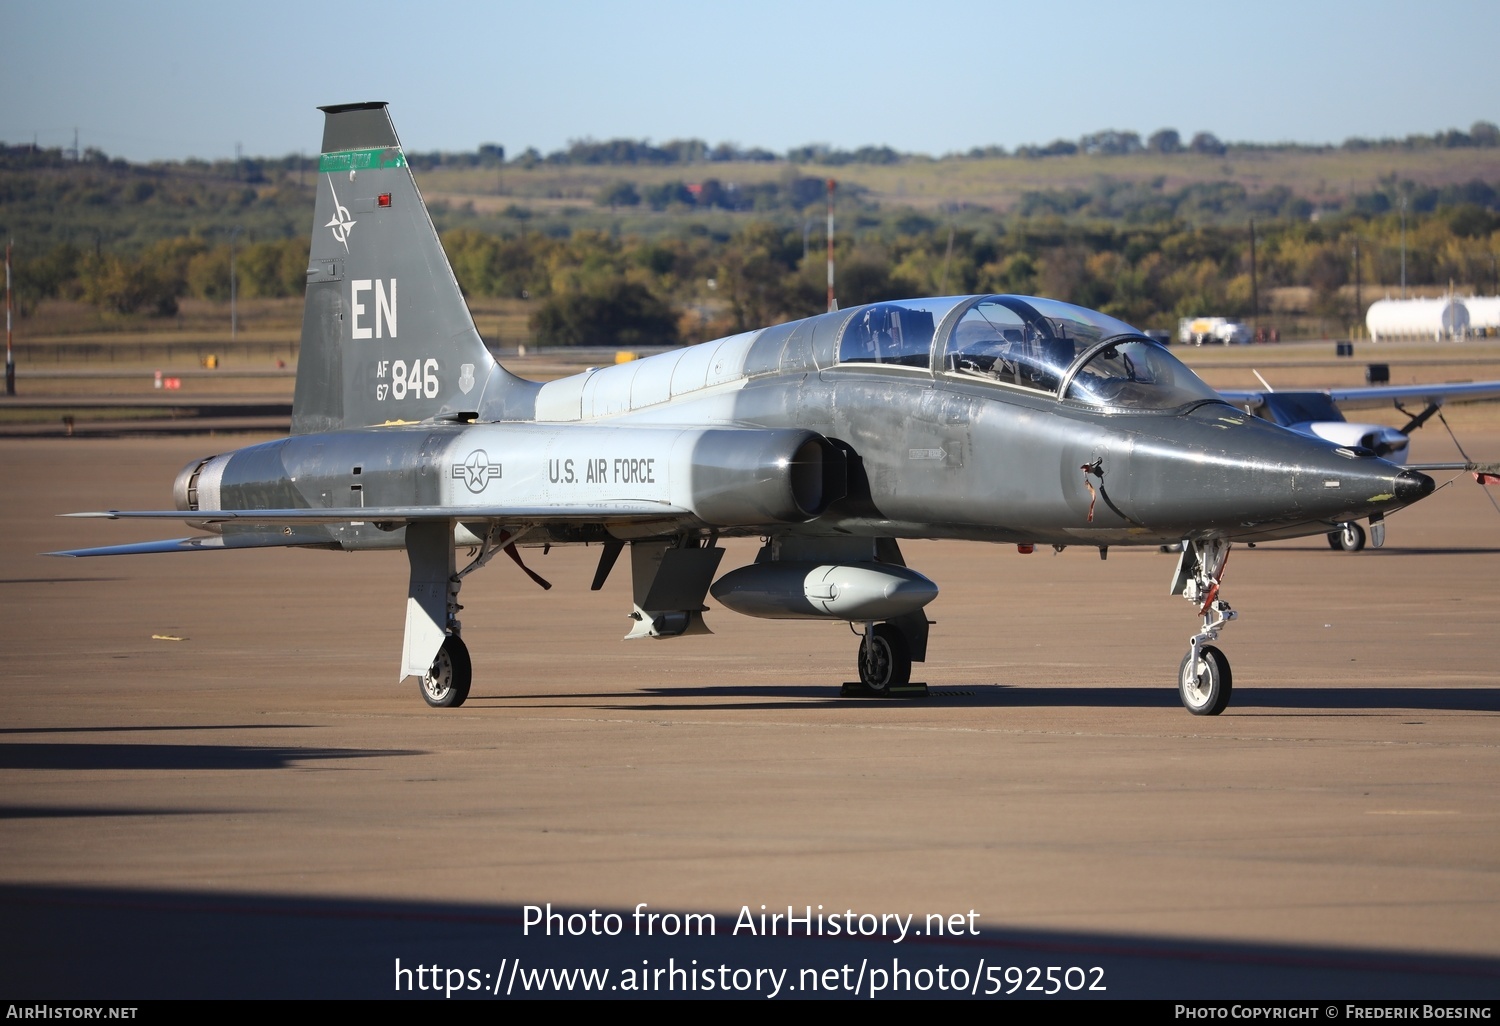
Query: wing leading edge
1379	395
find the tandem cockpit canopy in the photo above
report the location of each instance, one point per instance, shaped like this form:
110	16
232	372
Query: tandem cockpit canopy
1038	345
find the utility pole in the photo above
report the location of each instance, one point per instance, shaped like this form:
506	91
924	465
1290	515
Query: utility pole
947	260
1403	247
833	304
10	355
1254	283
234	314
1359	303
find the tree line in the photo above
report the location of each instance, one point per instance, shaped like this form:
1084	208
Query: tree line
597	288
1112	142
134	240
642	152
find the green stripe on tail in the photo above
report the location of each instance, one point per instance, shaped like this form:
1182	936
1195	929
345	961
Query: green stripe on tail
361	160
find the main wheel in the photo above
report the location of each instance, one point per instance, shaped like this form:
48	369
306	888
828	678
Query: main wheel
1351	537
1205	688
891	667
446	684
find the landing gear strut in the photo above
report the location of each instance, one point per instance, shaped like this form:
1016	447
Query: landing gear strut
1204	680
432	649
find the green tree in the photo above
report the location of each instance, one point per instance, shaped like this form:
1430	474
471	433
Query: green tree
609	313
620	194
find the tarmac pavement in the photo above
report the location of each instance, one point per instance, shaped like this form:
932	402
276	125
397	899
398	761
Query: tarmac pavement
213	784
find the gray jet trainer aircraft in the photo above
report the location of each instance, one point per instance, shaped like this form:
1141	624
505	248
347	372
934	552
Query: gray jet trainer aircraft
988	418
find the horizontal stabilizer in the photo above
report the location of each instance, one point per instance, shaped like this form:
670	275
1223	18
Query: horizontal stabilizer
210	543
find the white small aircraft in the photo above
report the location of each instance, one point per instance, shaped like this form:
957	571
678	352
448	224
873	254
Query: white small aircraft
1320	414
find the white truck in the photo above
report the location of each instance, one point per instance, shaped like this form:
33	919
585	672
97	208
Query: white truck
1198	330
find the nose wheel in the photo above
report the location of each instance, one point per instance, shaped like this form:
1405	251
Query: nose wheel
1204	681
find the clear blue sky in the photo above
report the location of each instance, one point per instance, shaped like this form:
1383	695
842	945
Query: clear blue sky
152	80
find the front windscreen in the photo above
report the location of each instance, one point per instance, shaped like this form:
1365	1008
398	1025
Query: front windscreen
1136	374
1026	342
1035	344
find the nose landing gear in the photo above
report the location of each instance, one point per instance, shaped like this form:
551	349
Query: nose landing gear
1204	680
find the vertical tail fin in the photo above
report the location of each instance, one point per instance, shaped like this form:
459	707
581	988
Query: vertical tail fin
386	334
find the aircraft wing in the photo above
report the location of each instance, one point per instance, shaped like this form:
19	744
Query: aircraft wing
590	512
1380	395
1245	399
604	513
197	543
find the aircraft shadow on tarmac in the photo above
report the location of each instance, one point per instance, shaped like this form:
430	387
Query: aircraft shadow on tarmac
1260	699
1385	553
59	580
98	811
154	727
101	942
75	756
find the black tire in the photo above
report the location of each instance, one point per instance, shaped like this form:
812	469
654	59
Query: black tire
1336	540
892	667
1206	692
1351	537
446	684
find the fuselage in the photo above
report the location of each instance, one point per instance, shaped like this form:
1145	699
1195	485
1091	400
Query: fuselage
939	431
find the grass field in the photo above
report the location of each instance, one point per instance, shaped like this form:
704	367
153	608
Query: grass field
261	322
995	183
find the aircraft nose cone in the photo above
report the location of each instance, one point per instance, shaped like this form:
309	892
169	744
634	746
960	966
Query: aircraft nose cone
1412	485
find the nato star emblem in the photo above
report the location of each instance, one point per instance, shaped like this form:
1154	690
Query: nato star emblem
341	222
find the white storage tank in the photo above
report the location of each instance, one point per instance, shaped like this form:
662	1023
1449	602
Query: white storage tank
1484	314
1417	318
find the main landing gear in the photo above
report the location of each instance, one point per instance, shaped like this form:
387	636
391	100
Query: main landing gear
887	649
446	684
1204	680
1349	537
884	659
432	608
